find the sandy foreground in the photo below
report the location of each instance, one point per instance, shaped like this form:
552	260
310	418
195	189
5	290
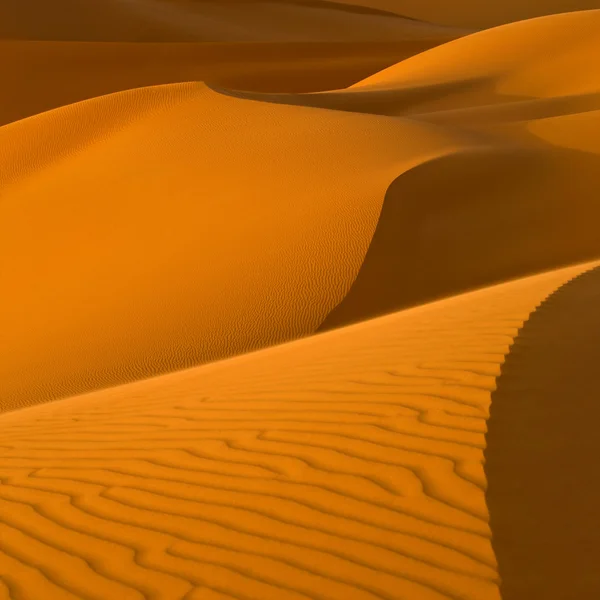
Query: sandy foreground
300	299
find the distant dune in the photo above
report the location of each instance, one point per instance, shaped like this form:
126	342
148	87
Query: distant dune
475	13
202	21
299	299
46	75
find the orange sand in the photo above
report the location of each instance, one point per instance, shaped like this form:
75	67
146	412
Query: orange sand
346	465
187	188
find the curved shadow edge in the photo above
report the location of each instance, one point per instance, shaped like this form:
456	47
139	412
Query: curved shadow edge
543	450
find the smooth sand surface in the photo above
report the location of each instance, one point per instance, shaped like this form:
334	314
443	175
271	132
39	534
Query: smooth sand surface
542	443
474	13
201	21
268	267
40	76
193	226
346	465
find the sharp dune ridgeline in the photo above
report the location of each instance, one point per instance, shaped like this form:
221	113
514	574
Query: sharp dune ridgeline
299	299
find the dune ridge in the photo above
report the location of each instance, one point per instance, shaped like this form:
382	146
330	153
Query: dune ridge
263	476
46	75
400	215
541	444
191	284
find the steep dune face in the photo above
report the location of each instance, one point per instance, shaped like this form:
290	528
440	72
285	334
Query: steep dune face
159	228
519	197
347	465
542	443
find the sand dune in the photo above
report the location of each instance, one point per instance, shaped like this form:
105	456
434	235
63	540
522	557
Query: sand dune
201	21
541	444
475	13
347	465
89	244
240	351
530	201
158	287
41	76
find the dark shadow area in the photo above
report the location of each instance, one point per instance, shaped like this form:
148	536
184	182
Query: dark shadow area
475	218
543	451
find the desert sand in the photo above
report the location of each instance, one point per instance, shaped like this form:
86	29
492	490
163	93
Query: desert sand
291	293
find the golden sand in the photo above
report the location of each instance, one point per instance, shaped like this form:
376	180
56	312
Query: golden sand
268	268
346	465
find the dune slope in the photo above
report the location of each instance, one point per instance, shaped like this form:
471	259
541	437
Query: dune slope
519	198
200	21
40	76
159	228
266	193
475	13
346	465
542	446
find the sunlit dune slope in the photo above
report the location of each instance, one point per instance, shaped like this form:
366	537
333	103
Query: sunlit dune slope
475	13
345	465
39	76
158	228
544	59
200	21
176	225
520	197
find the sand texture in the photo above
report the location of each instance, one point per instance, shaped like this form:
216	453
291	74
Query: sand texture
347	465
299	299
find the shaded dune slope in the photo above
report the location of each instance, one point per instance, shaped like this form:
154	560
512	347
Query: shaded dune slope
199	21
465	206
475	13
346	465
39	76
265	225
519	197
473	218
541	59
542	448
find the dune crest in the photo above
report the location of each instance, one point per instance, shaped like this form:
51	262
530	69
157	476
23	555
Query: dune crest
475	13
541	446
149	263
201	287
345	465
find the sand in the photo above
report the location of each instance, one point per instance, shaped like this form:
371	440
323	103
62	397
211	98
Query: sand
476	14
346	465
289	293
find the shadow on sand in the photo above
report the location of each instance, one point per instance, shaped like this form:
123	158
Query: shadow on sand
543	451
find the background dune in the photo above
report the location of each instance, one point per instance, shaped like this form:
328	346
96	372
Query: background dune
475	13
515	198
39	76
276	224
346	465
